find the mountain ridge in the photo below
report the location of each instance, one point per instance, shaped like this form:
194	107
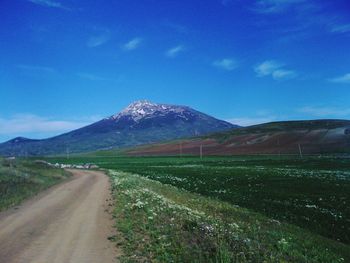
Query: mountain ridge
141	122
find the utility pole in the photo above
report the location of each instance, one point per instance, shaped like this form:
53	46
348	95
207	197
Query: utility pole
201	151
67	152
180	149
300	152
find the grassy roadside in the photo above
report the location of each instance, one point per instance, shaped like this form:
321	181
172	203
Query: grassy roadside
21	179
162	223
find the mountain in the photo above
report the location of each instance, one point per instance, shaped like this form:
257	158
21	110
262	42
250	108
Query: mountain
142	122
313	137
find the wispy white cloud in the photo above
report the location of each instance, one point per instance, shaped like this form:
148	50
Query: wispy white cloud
99	38
22	124
228	64
283	74
275	6
132	44
248	121
174	51
49	3
340	28
267	68
36	68
342	79
94	77
259	117
306	17
274	69
325	111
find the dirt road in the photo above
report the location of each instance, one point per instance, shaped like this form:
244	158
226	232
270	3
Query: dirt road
67	223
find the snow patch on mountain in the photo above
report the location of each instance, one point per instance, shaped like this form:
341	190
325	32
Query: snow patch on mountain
145	109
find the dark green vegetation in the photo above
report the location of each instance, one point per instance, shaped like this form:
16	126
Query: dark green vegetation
162	223
312	193
22	179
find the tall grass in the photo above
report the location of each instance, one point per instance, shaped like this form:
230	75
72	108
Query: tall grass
22	179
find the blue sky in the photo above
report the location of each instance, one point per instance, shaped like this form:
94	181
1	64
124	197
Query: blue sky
67	63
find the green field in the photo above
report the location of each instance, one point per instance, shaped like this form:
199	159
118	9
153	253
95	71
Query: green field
21	179
311	193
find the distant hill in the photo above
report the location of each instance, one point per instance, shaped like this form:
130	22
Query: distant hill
313	137
142	122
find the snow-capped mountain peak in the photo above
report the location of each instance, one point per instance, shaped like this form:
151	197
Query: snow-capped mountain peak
139	107
144	109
